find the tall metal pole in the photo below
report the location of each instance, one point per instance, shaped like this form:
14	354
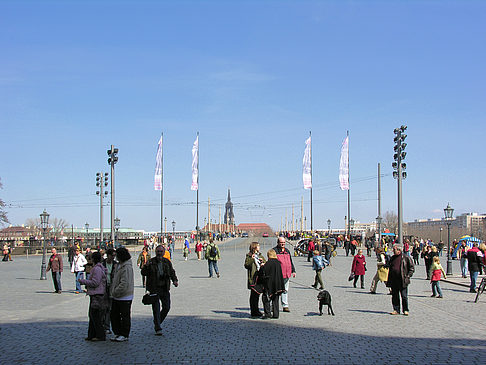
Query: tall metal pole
311	216
112	182
101	208
399	174
44	258
162	189
449	261
209	215
292	217
302	215
197	192
379	202
400	204
349	191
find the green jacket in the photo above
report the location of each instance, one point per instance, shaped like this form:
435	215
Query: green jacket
251	267
208	253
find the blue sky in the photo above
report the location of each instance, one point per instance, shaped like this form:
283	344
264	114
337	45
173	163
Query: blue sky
253	77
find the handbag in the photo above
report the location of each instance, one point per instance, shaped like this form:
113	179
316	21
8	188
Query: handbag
351	276
149	299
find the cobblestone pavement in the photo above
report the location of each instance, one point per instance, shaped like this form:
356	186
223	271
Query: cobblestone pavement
209	320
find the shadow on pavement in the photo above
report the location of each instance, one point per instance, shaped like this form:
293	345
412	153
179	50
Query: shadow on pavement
209	341
234	314
367	311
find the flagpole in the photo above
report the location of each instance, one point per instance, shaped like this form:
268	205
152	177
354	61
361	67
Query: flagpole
197	192
162	191
311	226
349	195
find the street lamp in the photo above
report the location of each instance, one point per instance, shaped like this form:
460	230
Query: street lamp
44	222
173	229
448	212
351	225
86	225
440	234
116	222
329	227
165	225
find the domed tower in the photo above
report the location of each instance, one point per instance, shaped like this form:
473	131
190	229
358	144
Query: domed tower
229	217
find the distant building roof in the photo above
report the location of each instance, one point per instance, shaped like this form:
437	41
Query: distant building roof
248	227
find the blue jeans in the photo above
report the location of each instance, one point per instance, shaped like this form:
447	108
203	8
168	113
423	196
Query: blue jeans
436	288
213	264
56	279
284	298
464	266
79	275
474	277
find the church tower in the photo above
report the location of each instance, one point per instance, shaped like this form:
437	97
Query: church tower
229	217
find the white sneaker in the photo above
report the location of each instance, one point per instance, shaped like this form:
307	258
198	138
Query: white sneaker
121	338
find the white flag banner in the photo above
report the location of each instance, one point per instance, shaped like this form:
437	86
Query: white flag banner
158	167
344	165
195	165
307	168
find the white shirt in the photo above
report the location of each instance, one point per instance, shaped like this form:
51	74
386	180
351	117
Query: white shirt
78	263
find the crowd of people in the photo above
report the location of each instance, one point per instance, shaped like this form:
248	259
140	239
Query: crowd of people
108	276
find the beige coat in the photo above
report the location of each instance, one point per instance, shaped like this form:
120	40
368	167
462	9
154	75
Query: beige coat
122	284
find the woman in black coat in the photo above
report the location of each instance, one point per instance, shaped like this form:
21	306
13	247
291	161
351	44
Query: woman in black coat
273	284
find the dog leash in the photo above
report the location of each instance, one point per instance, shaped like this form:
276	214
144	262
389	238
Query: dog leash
304	285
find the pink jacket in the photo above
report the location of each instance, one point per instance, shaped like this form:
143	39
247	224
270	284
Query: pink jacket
285	259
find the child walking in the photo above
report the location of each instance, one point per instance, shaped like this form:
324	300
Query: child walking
318	263
435	273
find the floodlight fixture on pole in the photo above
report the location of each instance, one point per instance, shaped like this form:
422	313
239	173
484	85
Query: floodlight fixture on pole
398	172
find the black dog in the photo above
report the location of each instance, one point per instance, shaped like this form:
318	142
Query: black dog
324	298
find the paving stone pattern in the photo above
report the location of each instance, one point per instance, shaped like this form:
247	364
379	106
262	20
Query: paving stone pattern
209	321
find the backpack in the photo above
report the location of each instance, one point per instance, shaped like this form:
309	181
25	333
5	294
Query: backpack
213	251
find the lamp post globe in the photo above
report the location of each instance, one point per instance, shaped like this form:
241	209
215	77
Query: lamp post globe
448	213
328	227
44	223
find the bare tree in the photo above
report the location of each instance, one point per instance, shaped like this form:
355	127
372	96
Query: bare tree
34	226
390	221
3	213
57	226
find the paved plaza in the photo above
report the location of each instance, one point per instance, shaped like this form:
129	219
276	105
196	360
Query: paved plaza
209	321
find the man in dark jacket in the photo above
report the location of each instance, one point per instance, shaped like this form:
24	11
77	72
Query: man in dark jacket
474	256
400	271
159	273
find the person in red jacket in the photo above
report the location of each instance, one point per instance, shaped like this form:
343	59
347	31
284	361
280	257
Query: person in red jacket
288	270
310	248
359	268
